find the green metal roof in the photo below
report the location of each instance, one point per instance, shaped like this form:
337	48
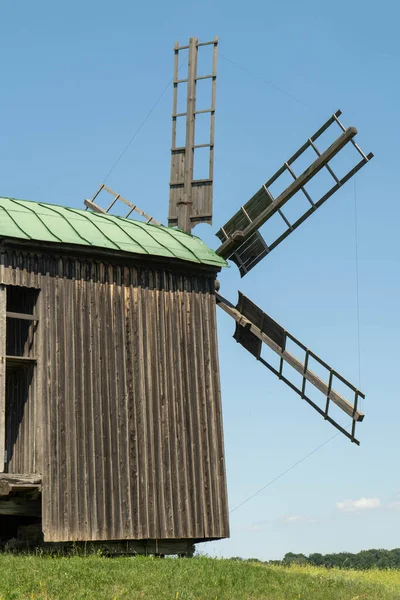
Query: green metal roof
37	221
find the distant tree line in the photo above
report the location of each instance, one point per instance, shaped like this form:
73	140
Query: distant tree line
366	559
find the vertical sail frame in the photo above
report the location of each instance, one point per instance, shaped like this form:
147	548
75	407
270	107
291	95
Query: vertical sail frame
190	199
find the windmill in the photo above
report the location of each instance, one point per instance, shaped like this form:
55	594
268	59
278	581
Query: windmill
190	203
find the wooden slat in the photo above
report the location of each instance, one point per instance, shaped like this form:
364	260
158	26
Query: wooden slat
20	360
3	321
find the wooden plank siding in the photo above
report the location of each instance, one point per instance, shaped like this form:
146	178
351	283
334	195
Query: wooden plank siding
128	422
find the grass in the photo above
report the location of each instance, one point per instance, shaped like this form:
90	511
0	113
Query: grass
98	578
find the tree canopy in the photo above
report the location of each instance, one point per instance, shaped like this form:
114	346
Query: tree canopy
366	559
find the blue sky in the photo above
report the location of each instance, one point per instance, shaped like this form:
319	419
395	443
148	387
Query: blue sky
77	80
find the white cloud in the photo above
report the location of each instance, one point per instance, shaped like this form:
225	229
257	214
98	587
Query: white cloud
296	519
358	505
394	505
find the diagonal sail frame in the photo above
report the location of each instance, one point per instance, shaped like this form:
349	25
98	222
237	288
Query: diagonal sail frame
254	328
241	240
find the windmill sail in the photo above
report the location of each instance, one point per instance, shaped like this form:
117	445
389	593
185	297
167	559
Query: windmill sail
255	328
190	198
241	240
95	207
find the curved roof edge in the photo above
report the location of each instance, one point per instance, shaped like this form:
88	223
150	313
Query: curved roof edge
42	222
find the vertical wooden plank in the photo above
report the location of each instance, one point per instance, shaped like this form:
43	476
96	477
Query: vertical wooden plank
3	302
159	402
166	400
183	400
125	467
50	532
57	511
150	391
146	497
82	491
131	454
172	358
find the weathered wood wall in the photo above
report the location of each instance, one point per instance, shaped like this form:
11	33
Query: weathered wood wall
128	425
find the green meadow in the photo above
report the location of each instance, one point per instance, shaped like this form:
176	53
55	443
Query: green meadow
94	577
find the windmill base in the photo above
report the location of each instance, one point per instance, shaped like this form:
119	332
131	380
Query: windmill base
24	535
21	527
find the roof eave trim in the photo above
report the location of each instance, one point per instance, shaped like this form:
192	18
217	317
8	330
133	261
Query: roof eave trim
100	253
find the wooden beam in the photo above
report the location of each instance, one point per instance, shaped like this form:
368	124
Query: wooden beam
293	362
95	207
230	244
7	488
22	316
32	478
11	482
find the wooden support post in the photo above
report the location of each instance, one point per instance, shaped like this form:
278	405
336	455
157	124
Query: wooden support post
3	306
184	206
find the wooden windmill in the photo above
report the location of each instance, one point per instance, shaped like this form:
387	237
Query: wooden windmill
110	405
190	203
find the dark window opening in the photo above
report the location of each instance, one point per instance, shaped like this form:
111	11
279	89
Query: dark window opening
21	322
21	299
